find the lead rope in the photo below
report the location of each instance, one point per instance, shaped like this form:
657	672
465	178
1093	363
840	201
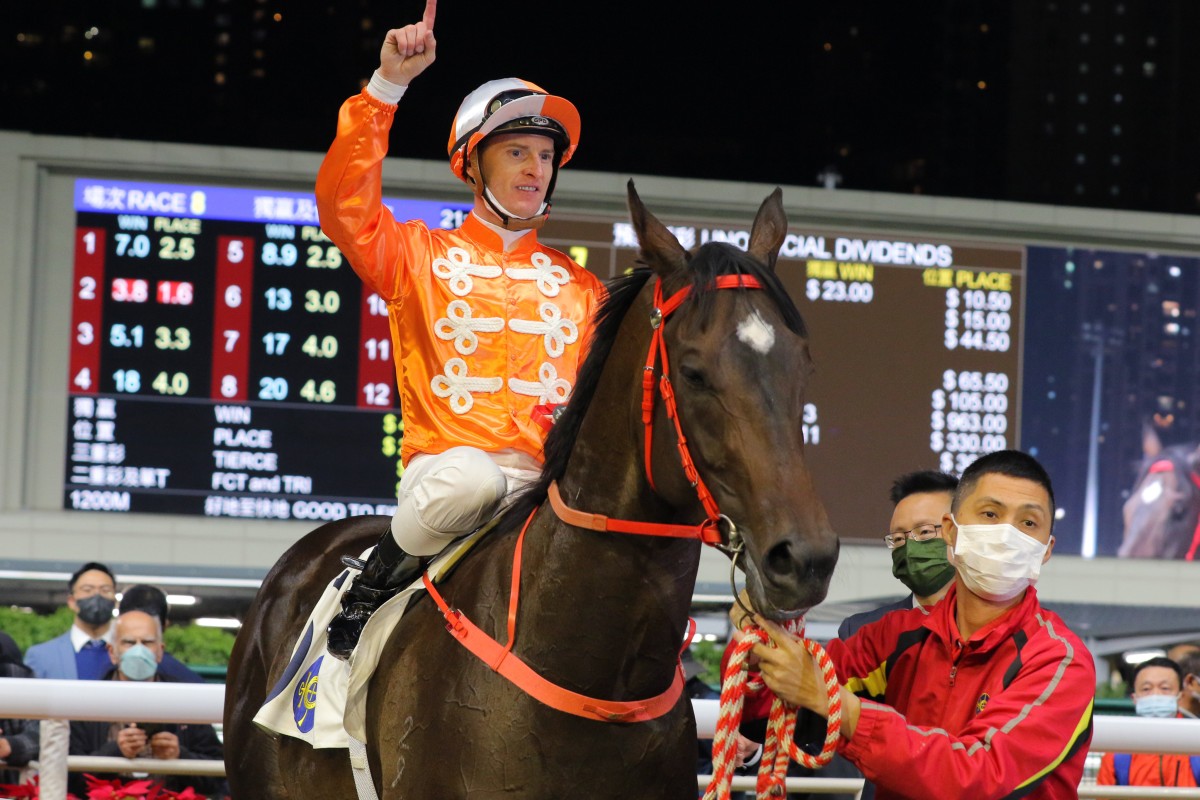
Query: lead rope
779	747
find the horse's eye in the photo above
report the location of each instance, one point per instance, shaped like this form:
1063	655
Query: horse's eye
694	378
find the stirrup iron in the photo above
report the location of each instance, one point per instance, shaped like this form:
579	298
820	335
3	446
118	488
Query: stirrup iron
354	563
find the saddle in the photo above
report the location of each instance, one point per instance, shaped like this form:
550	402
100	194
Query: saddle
321	700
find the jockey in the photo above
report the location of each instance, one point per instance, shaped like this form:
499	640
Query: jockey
487	323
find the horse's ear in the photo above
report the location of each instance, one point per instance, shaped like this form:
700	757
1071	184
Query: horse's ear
661	250
770	228
1151	444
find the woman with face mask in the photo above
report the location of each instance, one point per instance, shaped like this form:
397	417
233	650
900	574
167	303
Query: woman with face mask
1157	685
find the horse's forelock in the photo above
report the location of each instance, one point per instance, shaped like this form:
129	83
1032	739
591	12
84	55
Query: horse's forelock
718	258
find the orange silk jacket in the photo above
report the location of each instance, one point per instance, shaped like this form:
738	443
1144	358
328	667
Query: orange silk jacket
480	336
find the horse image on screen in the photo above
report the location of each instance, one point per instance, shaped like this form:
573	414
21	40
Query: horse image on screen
1162	514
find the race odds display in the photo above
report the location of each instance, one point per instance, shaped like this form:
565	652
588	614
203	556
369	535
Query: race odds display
226	361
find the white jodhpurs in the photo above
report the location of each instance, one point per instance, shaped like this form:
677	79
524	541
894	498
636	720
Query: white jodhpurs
450	494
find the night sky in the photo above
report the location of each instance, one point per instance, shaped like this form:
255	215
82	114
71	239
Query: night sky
1087	102
760	91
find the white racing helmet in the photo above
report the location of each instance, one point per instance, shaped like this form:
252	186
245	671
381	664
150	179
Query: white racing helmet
511	105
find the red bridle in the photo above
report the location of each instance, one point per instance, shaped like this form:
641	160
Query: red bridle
707	531
500	658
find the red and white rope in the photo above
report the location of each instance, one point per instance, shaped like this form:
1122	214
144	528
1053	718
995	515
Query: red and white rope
779	747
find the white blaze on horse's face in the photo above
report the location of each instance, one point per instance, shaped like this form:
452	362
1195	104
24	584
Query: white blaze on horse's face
756	333
1152	492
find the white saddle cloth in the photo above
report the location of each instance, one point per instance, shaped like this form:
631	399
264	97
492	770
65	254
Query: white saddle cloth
322	700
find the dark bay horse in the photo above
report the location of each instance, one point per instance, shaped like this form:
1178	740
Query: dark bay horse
1162	514
602	614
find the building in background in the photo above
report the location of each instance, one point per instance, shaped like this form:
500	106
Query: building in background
1101	111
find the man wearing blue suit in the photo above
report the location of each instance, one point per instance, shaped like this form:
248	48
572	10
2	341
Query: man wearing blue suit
82	652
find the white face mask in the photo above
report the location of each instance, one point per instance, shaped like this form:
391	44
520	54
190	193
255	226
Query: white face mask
1156	705
997	562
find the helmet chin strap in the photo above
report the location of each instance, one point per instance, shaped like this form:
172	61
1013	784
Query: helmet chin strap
510	220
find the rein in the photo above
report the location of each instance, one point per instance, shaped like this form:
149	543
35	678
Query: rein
502	660
780	746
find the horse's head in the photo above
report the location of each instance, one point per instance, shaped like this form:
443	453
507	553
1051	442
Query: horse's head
739	366
1162	514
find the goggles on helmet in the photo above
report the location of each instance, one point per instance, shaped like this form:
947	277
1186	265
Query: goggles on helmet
511	105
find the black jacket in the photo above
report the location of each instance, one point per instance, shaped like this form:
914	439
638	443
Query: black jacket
23	735
195	742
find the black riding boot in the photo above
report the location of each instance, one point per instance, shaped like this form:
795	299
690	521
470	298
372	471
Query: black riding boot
388	570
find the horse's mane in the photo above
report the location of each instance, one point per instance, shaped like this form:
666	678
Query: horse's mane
711	260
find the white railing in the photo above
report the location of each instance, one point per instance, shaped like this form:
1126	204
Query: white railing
24	698
204	703
158	766
1109	733
58	700
1138	791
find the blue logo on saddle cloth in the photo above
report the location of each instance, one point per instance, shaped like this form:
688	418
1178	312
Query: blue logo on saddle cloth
304	701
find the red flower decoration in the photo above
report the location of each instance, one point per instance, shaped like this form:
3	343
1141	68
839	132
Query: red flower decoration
187	794
24	790
98	789
21	791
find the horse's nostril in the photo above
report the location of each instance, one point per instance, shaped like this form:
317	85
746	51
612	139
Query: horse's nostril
780	562
795	564
821	565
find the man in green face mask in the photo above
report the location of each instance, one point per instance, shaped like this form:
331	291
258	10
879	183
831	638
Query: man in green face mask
920	499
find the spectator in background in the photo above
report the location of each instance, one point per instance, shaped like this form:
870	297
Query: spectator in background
1156	687
919	501
152	600
19	738
135	654
10	653
1189	700
82	652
